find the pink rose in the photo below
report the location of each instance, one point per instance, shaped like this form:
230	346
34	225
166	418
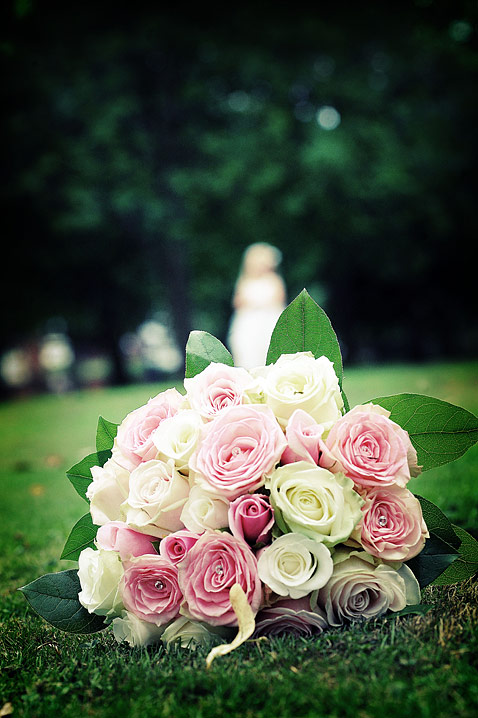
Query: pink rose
134	438
150	589
251	517
392	527
290	617
176	546
212	566
370	449
118	536
217	387
238	448
304	438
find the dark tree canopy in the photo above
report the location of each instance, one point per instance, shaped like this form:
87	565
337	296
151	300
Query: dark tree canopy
146	149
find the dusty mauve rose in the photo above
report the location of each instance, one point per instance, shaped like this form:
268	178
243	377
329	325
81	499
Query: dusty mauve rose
392	527
150	589
217	387
118	536
175	546
370	449
290	617
238	448
251	517
134	438
304	438
361	587
213	565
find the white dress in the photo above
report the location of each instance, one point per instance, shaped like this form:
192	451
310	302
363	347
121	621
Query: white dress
252	324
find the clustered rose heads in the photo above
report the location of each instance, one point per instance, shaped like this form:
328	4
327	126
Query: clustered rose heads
256	478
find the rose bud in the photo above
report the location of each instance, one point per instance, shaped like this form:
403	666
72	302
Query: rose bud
251	517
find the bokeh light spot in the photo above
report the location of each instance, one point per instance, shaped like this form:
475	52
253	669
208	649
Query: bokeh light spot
328	117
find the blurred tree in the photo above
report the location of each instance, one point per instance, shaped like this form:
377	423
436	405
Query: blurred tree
148	150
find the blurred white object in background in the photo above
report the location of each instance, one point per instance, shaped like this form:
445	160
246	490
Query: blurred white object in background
259	299
56	358
16	368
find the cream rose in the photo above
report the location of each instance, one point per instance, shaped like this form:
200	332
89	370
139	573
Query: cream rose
189	634
157	494
176	438
133	630
204	510
294	565
312	501
299	381
362	587
100	573
107	491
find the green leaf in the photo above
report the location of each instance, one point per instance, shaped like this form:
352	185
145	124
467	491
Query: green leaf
303	326
80	474
82	536
466	564
202	349
55	598
440	432
105	434
437	523
419	609
432	561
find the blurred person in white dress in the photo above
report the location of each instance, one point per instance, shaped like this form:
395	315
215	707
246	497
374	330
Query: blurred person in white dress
259	298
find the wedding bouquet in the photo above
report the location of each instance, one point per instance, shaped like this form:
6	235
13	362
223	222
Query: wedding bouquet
257	503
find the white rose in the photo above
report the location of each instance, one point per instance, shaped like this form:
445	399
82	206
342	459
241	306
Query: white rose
107	491
314	502
134	631
299	381
294	565
190	634
363	587
157	494
177	437
100	573
204	511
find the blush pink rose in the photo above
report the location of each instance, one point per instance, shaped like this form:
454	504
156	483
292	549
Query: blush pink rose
118	536
370	449
304	439
212	566
251	517
150	589
217	387
392	527
134	437
175	546
237	449
290	617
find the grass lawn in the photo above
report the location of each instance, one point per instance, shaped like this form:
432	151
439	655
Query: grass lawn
415	666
